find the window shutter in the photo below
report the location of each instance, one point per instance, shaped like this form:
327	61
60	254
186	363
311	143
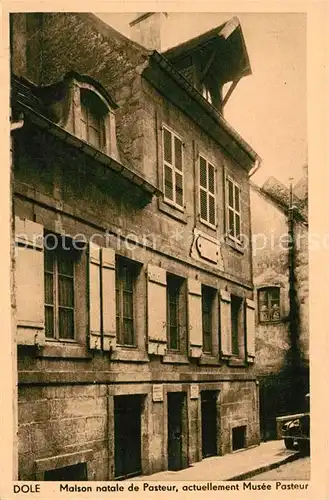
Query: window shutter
94	297
108	298
225	323
157	309
29	282
195	317
250	328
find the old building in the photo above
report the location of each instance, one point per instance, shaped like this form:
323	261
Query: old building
134	292
280	264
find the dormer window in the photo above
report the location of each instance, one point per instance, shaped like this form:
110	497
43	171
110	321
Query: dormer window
93	113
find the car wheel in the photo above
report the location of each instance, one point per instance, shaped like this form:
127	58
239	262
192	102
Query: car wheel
289	443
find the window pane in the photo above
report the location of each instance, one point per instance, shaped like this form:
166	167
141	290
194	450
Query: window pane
65	263
275	293
211	178
84	130
94	137
178	154
203	204
65	292
179	189
237	198
127	305
49	321
169	183
235	307
231	222
49	260
203	172
237	226
212	211
66	323
167	146
230	194
49	288
128	332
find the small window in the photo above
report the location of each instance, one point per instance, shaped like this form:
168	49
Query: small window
173	175
92	119
176	313
269	304
125	299
236	325
239	437
234	210
207	187
208	296
77	472
59	264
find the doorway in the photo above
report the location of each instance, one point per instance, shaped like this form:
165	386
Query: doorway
175	430
127	436
209	423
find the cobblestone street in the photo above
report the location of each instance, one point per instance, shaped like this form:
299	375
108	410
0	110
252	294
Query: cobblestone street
297	471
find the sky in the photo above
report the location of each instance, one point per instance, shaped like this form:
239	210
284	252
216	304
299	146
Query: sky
268	108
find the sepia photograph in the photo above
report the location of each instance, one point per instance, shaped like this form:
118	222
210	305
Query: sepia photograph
160	251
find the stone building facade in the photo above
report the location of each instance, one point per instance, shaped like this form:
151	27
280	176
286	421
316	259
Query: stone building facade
134	292
280	266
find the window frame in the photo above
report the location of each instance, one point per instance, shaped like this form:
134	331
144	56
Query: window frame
268	289
55	295
173	168
229	208
180	285
89	112
214	195
240	327
120	262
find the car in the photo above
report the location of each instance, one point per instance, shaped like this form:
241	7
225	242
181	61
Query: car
296	431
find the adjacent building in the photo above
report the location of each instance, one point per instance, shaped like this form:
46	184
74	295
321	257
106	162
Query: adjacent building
134	299
280	263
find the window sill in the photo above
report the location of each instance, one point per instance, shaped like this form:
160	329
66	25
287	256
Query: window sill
236	362
61	350
129	354
234	245
208	224
175	358
172	211
208	359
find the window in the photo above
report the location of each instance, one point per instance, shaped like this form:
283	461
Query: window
59	263
269	304
207	319
236	324
173	169
176	313
239	437
207	192
77	472
234	211
125	285
92	119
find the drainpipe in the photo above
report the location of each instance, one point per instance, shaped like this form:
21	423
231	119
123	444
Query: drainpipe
14	126
294	355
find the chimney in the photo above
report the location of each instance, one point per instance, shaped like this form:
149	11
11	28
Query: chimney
147	29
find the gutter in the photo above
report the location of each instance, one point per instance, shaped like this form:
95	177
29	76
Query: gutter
89	150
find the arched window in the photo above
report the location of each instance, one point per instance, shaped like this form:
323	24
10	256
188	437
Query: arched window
93	113
269	304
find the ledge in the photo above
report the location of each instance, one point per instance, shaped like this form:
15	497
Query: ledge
59	350
237	362
175	358
235	246
129	355
173	212
207	359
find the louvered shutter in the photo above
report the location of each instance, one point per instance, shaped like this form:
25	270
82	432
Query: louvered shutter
195	317
250	328
157	309
95	341
108	298
29	282
225	323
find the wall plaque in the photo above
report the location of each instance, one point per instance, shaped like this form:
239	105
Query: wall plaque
194	391
157	392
